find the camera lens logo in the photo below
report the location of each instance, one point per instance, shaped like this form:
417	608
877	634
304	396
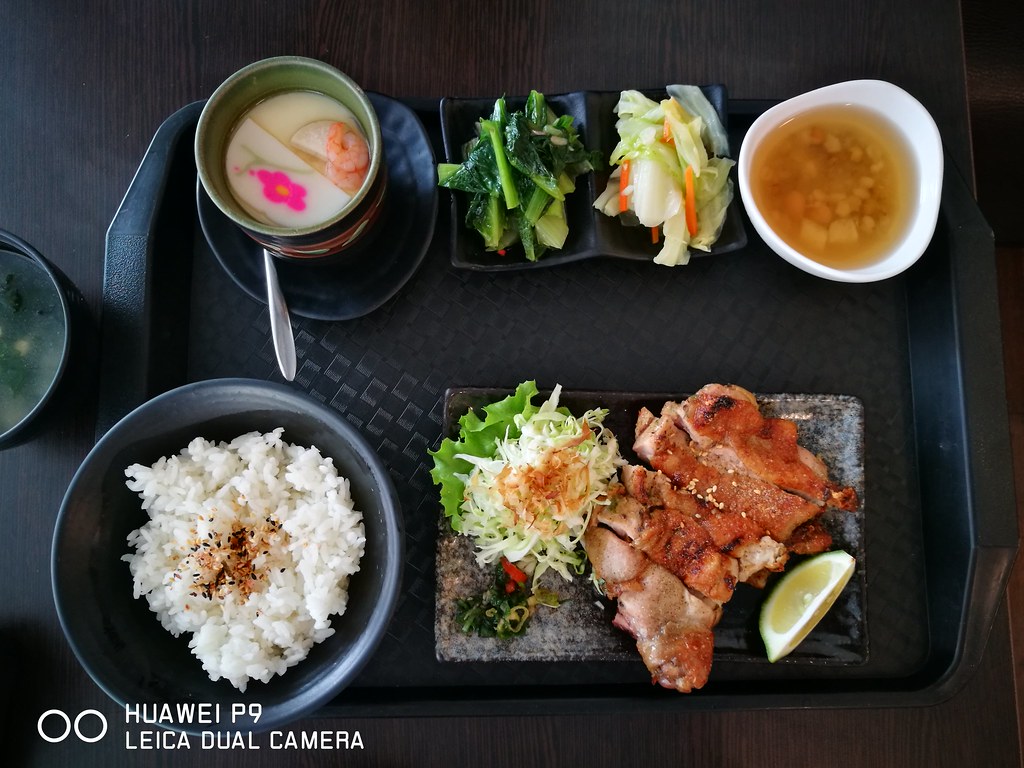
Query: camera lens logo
68	726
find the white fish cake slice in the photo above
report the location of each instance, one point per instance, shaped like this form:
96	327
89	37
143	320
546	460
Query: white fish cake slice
312	138
275	185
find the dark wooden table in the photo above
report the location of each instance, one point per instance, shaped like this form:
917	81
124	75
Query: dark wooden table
85	84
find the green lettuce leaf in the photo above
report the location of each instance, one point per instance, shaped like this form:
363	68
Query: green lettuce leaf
477	437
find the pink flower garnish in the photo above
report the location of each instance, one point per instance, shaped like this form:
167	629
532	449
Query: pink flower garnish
278	188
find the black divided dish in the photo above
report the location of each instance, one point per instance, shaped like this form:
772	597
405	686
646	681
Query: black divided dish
592	234
922	352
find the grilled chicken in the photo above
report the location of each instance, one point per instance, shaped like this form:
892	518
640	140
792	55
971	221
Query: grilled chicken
677	542
809	539
667	447
671	624
733	532
725	422
728	496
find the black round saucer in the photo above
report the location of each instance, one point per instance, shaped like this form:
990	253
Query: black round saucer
373	270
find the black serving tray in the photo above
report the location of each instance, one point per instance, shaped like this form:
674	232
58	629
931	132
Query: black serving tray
921	351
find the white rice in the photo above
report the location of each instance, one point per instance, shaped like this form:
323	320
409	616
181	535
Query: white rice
297	540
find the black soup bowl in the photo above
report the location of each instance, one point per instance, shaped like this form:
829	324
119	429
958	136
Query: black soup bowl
45	338
121	643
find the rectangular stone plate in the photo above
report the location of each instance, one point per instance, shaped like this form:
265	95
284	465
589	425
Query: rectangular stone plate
831	426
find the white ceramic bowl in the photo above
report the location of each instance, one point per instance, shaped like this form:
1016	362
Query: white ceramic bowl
909	118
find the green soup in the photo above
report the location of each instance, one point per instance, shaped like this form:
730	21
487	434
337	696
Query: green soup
32	336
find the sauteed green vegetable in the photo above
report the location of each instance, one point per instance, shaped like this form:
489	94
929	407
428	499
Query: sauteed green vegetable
518	170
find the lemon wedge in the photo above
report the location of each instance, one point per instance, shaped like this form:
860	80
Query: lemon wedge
800	599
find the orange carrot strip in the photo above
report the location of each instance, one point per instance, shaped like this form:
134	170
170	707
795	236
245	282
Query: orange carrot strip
623	184
654	235
691	203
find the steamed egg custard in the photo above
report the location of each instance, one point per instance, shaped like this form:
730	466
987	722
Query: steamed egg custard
836	184
296	159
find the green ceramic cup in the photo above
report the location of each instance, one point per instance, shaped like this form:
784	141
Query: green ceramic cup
236	96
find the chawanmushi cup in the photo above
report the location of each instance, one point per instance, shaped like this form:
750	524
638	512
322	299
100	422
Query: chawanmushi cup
228	105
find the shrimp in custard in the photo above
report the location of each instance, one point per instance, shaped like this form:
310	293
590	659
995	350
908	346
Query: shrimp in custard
348	157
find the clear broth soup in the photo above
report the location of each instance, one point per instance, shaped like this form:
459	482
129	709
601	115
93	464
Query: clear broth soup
32	335
836	183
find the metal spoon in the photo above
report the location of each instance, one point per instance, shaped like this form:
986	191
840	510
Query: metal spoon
280	322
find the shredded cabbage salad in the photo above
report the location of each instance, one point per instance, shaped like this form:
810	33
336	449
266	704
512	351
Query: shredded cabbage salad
671	171
527	479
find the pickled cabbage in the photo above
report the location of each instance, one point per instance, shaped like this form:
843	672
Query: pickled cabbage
657	141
